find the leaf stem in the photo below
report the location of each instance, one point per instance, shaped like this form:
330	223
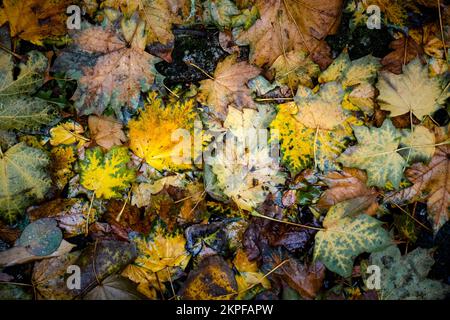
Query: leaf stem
89	213
200	69
11	52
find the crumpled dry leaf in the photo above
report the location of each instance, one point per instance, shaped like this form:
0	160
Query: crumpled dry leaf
228	86
106	131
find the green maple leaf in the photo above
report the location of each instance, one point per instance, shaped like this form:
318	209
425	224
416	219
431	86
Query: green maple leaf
405	277
376	152
22	179
412	91
348	233
18	109
106	174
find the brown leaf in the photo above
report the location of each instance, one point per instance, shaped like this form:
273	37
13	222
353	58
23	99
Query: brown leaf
212	280
346	185
8	234
228	86
432	183
106	131
286	25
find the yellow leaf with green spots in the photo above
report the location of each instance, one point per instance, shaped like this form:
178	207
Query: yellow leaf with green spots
376	152
106	174
314	129
347	233
351	73
421	143
412	91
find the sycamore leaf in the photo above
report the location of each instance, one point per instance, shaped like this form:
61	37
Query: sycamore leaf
18	109
348	233
220	12
244	169
228	86
432	183
376	152
158	15
111	67
413	91
405	277
295	68
106	174
287	25
23	179
421	143
313	130
351	73
151	133
106	131
66	134
35	20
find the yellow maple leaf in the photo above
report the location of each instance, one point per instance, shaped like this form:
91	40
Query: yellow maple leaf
314	130
249	275
106	174
151	134
67	133
35	20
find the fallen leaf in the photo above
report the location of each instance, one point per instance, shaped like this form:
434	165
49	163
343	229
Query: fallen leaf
106	174
288	25
227	86
67	133
106	131
431	183
348	232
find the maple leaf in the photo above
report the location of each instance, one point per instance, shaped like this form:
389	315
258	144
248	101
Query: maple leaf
405	277
23	179
348	233
106	131
18	108
244	171
376	152
294	69
67	133
151	133
35	20
420	143
413	91
289	25
432	183
345	185
114	67
159	17
228	86
106	174
314	129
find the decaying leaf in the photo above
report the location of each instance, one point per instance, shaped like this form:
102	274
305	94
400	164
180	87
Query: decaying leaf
18	109
62	159
114	69
106	131
376	152
289	25
67	133
212	280
405	277
313	130
23	177
106	174
35	20
228	86
432	183
348	233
